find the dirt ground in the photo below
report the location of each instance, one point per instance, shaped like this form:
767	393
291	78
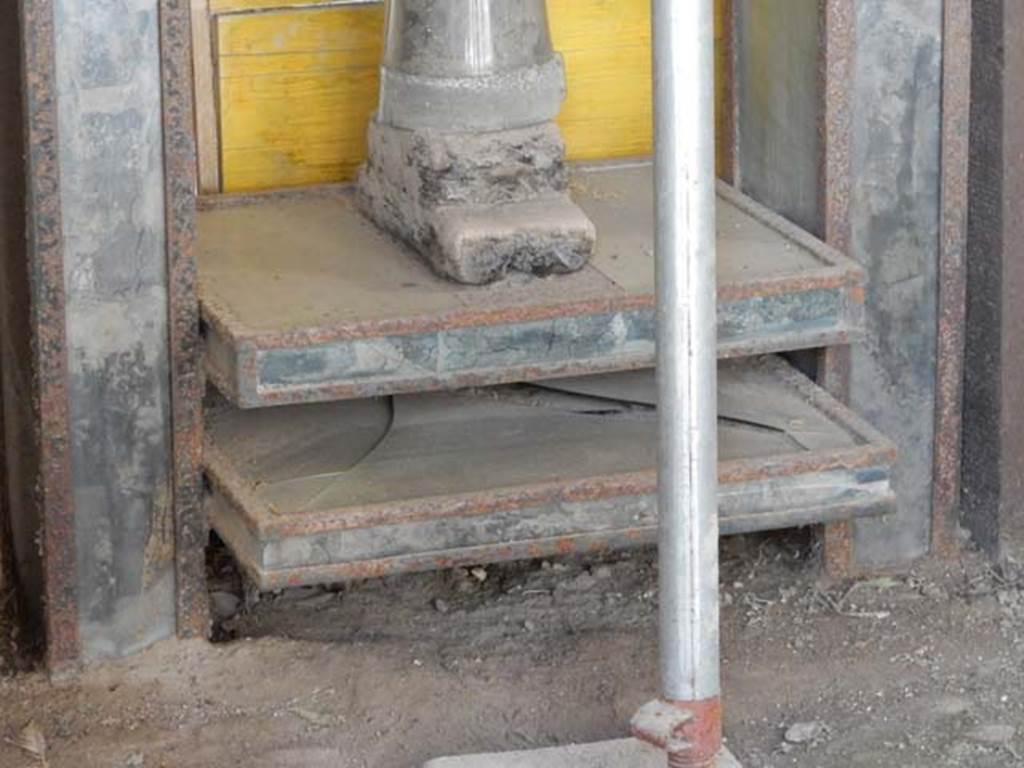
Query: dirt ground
921	669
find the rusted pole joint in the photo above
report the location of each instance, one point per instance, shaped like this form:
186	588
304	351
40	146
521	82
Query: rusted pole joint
690	732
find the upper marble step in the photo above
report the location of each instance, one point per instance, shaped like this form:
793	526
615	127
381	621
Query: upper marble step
303	300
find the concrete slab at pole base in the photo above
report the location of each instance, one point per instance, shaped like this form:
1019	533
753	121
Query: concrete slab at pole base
623	753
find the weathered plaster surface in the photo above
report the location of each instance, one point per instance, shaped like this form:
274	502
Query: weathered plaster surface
895	224
112	197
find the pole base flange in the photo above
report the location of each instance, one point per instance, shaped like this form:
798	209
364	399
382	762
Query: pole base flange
623	753
689	732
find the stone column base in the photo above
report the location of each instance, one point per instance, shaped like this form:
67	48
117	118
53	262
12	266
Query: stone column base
477	205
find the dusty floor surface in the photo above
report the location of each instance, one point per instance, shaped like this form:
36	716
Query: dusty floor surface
925	669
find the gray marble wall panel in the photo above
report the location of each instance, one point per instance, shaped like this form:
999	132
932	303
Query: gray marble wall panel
895	109
895	223
115	270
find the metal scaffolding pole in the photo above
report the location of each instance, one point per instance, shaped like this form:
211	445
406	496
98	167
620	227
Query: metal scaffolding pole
687	721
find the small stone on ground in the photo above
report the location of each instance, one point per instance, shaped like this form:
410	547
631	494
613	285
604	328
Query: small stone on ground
803	733
993	734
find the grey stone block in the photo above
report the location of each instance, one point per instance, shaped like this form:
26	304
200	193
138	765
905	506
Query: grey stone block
429	168
477	205
546	235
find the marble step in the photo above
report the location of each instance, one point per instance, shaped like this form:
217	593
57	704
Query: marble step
303	300
306	494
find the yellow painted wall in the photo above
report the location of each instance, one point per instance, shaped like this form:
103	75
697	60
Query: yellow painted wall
298	85
296	91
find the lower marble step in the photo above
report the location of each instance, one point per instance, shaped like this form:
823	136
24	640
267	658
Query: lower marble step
327	492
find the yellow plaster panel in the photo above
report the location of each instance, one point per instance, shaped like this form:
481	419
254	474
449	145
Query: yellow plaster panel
297	88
